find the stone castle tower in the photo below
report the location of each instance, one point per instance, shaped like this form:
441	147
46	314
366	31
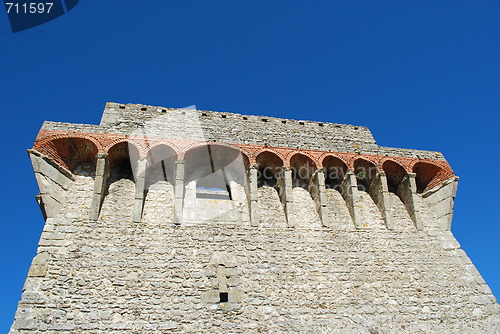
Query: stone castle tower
179	220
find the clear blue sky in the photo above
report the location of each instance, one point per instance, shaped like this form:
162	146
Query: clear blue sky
419	74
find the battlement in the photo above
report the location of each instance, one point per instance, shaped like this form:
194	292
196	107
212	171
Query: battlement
247	127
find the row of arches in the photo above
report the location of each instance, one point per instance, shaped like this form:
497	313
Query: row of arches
335	169
208	170
217	163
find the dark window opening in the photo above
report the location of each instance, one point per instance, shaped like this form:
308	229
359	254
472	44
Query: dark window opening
298	180
122	169
335	172
334	178
302	168
224	297
365	172
122	161
266	177
144	109
363	182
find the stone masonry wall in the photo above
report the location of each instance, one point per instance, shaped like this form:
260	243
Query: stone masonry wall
116	276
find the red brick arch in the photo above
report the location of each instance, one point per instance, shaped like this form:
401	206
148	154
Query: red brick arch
70	151
405	163
104	141
182	152
140	148
266	162
46	140
429	175
355	158
293	153
270	150
169	144
323	157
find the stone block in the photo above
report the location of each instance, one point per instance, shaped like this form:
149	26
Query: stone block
210	297
235	295
62	327
37	271
25	324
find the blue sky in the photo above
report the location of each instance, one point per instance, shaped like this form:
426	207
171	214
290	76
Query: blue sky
419	74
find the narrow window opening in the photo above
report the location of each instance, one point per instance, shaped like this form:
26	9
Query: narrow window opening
224	297
144	109
164	170
122	107
223	116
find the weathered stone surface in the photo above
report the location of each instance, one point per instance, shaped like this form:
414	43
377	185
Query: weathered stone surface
278	278
202	266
